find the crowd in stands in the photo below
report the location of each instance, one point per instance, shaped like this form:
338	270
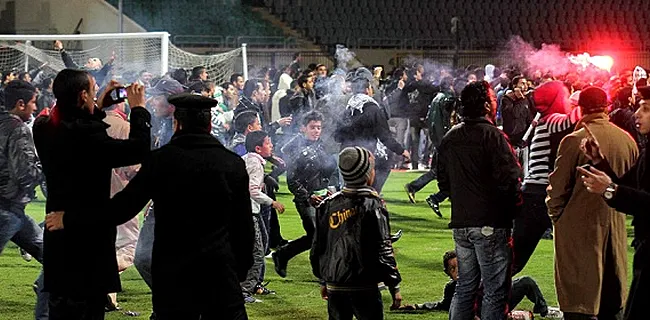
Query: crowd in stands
504	144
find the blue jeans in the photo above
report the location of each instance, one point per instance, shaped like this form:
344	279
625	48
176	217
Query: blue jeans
144	248
22	230
483	253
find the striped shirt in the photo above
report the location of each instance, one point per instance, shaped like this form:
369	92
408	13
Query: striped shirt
539	159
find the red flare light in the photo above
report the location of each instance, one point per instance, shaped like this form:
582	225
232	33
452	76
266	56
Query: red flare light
602	62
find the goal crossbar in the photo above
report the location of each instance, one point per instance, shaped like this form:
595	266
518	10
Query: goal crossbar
163	36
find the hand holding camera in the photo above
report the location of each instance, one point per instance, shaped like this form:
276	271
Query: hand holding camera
116	93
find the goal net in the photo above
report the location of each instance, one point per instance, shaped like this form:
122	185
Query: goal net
131	54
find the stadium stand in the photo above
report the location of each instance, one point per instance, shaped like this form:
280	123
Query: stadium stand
484	24
197	17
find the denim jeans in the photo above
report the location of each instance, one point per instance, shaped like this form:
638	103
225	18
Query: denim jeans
22	230
253	276
483	253
364	305
144	247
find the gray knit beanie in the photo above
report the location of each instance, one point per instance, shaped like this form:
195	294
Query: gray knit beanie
355	164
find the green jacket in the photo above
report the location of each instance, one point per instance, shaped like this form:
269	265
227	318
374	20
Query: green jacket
442	111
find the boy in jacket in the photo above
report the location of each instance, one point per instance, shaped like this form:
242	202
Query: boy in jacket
352	250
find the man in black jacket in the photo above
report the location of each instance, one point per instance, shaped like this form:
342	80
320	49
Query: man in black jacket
194	165
517	111
78	157
420	93
363	123
629	194
302	101
478	169
310	172
20	172
623	116
352	250
398	102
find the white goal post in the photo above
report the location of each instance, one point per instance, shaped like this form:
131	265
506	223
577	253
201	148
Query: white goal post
133	52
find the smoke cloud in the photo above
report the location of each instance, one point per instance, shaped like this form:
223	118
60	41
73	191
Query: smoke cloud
551	58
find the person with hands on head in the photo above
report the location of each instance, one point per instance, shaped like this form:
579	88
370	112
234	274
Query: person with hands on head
194	165
78	156
352	250
630	194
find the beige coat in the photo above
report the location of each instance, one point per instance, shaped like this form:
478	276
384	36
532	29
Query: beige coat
127	233
590	237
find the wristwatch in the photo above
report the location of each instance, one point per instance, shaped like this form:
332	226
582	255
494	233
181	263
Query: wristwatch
610	191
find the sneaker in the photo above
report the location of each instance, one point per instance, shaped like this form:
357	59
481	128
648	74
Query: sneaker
26	256
395	237
261	289
279	266
410	193
554	313
548	234
250	299
435	206
422	167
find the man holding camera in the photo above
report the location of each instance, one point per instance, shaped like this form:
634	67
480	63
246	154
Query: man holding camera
78	157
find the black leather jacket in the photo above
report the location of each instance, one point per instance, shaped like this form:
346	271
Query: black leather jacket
352	247
309	169
20	170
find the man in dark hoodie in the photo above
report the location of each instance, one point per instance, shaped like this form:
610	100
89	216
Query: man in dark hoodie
364	123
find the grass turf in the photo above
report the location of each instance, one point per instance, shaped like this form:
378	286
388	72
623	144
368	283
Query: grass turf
419	256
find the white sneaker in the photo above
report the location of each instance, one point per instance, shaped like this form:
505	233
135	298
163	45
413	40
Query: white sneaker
421	166
554	313
26	256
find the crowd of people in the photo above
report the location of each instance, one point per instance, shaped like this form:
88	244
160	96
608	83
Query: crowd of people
521	155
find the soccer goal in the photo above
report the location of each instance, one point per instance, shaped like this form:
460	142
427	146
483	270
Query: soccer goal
132	52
